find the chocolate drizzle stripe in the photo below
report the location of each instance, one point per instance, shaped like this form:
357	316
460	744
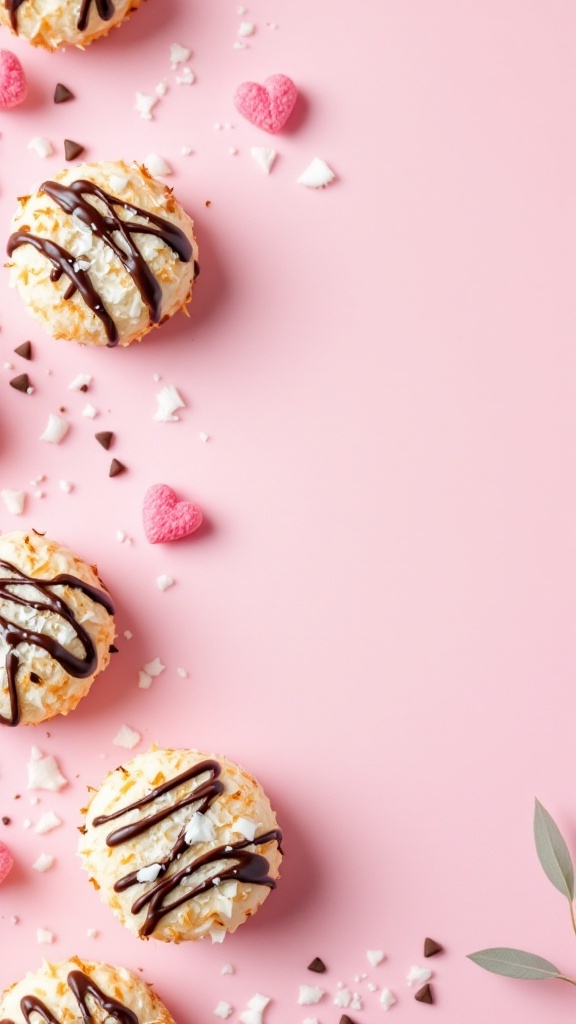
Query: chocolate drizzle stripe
105	8
13	634
247	866
117	235
81	987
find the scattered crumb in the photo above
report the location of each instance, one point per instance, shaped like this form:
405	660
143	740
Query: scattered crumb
169	400
144	105
182	673
186	77
92	933
179	55
14	501
127	737
44	937
246	28
254	1009
65	486
81	382
387	999
89	412
418	975
316	175
154	668
41	146
157	165
47	823
375	956
43	772
223	1010
128	634
44	862
227	969
309	995
56	429
164	582
264	156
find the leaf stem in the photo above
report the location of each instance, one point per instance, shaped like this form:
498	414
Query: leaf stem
572	918
562	977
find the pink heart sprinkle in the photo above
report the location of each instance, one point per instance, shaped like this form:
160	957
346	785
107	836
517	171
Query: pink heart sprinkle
165	517
13	86
6	862
268	106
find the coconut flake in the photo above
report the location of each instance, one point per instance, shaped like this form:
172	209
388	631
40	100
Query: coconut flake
182	673
179	54
387	999
162	88
83	380
186	77
246	828
145	105
316	175
223	1010
264	156
44	937
144	680
41	146
375	956
66	486
92	933
418	975
89	412
156	164
246	28
126	737
43	772
149	874
163	582
154	668
43	863
168	402
47	822
118	182
343	997
199	829
309	995
254	1009
227	969
14	501
56	429
186	150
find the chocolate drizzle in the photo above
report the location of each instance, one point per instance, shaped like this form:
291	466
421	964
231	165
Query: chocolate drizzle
81	986
115	233
246	865
105	8
13	634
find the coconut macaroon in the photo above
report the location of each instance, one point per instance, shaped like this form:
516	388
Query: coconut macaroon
181	845
76	990
102	253
56	628
54	23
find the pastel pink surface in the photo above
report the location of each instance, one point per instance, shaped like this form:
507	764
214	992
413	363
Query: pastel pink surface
380	626
6	862
13	88
268	106
166	517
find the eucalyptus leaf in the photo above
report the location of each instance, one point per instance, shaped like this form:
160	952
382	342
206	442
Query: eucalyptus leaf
515	963
553	853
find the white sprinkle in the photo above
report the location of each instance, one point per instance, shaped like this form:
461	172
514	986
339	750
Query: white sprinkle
309	995
182	673
163	582
186	151
128	634
343	997
127	738
14	501
26	823
264	157
89	412
66	486
156	164
41	146
92	933
43	863
418	975
43	772
227	969
154	668
144	105
47	822
56	429
223	1010
120	536
387	999
168	402
118	182
233	151
44	937
186	77
8	366
149	874
316	175
144	680
203	437
83	380
375	956
199	829
246	28
179	54
34	800
162	88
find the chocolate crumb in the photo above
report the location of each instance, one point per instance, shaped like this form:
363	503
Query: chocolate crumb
345	1019
17	797
317	965
116	468
24	350
62	94
62	409
34	678
84	388
6	821
21	383
72	149
424	994
431	947
208	202
112	649
105	438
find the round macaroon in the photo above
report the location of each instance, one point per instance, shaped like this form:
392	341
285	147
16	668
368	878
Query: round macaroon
54	23
76	990
181	845
102	253
56	628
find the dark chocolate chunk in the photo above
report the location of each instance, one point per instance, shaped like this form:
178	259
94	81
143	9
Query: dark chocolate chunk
431	947
317	965
116	468
62	94
424	994
35	678
72	149
6	821
345	1019
21	383
112	649
24	350
105	438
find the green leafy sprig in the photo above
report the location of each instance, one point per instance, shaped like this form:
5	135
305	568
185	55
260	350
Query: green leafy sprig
555	859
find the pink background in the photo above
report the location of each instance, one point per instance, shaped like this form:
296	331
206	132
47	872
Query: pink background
379	620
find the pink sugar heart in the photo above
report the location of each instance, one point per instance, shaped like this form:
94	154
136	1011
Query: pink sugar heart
267	106
6	862
165	517
13	86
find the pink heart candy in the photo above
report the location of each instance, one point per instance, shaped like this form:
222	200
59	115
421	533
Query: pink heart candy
165	517
267	106
6	862
13	86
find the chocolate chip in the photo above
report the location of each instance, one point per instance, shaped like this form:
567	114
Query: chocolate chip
116	468
345	1019
424	994
105	438
317	965
84	388
62	94
208	202
24	350
112	649
34	678
6	821
431	947
72	149
21	383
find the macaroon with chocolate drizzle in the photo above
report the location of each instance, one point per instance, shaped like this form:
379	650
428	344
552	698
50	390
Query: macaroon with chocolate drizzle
56	628
69	22
181	845
102	254
83	991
